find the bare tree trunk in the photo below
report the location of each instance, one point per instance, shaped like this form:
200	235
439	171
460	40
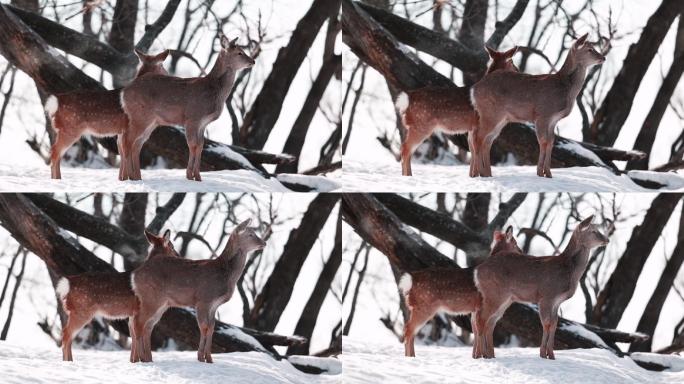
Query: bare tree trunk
471	35
295	141
261	118
273	298
132	221
122	34
17	284
649	319
647	134
307	320
616	105
618	291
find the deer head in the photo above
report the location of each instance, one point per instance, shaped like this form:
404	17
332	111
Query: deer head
245	239
589	234
501	60
584	54
504	242
233	56
151	63
161	245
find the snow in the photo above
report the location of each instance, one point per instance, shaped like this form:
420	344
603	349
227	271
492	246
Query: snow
385	363
379	176
675	363
239	335
22	364
37	179
330	365
318	183
670	180
580	150
581	331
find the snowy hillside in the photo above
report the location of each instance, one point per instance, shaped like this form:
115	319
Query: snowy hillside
386	176
34	179
19	365
377	363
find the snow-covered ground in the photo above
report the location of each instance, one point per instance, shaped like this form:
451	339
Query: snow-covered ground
385	363
37	179
22	364
385	176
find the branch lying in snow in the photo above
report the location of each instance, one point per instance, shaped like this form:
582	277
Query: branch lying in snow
407	251
372	43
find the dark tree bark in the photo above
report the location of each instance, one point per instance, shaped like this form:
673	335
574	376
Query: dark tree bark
153	30
307	320
647	134
273	298
122	34
617	104
261	118
471	35
618	291
295	141
65	256
649	319
408	252
132	221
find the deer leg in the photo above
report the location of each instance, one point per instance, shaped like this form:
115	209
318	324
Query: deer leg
62	143
547	158
486	320
192	153
127	142
552	334
541	127
73	325
417	318
140	321
476	334
545	318
198	155
131	332
209	336
203	324
474	170
414	137
122	157
135	154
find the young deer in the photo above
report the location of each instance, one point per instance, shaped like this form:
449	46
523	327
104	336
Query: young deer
97	113
204	285
447	109
155	100
106	294
547	281
444	289
509	97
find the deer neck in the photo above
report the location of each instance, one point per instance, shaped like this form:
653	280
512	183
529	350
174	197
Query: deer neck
572	75
222	74
234	265
577	254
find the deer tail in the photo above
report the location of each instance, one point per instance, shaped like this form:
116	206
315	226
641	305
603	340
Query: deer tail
405	284
62	288
401	103
51	106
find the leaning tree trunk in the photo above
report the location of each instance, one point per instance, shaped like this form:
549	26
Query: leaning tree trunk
409	252
274	296
618	291
64	255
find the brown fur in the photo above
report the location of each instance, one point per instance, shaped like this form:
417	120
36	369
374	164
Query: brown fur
548	281
503	97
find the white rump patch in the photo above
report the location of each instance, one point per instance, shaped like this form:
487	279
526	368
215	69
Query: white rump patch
62	287
121	100
472	98
402	103
405	283
51	105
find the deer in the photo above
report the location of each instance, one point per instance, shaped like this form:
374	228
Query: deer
193	103
547	281
429	109
503	97
96	113
164	282
106	294
444	289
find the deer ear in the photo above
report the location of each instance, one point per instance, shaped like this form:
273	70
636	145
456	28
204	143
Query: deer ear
162	56
511	52
581	41
586	222
225	43
140	55
509	232
242	226
233	42
167	236
151	238
490	51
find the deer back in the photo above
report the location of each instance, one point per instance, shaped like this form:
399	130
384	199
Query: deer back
108	294
442	289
